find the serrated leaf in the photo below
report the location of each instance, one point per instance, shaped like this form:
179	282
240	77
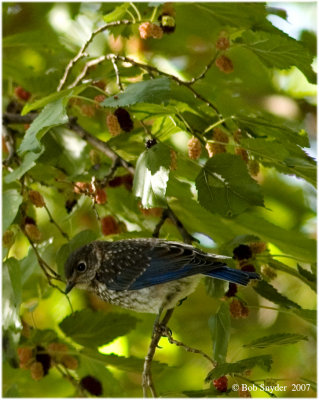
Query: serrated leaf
279	51
77	241
219	325
27	163
52	98
238	367
225	187
277	339
11	200
267	291
263	125
53	114
285	157
152	91
290	242
151	176
307	274
117	14
95	328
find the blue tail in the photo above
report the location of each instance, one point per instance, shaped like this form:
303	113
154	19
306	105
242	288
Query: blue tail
233	275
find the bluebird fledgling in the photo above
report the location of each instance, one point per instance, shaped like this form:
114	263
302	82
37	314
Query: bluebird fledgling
145	275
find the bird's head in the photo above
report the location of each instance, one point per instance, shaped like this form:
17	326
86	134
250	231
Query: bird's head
81	266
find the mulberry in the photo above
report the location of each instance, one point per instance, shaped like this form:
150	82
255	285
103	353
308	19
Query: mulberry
124	119
242	153
113	125
222	43
33	232
36	198
92	385
194	148
258	247
242	252
109	226
36	370
221	383
253	167
224	64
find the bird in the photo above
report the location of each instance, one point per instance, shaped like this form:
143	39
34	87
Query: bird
146	275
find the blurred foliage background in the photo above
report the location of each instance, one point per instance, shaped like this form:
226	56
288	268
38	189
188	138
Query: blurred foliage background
268	92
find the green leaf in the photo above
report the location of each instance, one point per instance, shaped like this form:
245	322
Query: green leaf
238	367
27	163
92	328
129	364
66	93
290	242
267	291
42	336
77	241
52	115
307	274
215	287
287	158
219	325
225	187
11	200
279	51
117	14
278	339
151	176
151	91
307	315
13	266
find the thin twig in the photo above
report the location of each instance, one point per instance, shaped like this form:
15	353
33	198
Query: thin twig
87	65
160	224
13	118
117	73
187	84
64	234
187	237
81	52
206	69
166	332
147	381
99	144
66	374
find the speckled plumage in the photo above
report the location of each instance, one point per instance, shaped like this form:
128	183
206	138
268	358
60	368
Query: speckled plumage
145	275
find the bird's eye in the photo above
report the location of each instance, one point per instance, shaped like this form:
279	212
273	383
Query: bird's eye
81	267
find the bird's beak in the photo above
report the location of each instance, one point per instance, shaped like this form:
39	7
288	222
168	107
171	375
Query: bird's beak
69	286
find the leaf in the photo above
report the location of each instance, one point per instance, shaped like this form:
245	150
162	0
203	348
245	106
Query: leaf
52	115
225	187
117	14
129	364
307	274
219	325
151	91
307	315
287	158
27	163
11	202
279	51
263	361
288	241
215	287
66	93
77	241
13	266
267	291
92	328
151	176
42	336
277	339
264	125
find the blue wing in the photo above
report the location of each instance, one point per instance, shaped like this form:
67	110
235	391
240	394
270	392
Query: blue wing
141	263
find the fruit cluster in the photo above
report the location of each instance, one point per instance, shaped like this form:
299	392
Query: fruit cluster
118	121
39	359
149	30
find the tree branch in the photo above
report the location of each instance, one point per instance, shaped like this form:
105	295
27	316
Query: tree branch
99	144
81	52
147	381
